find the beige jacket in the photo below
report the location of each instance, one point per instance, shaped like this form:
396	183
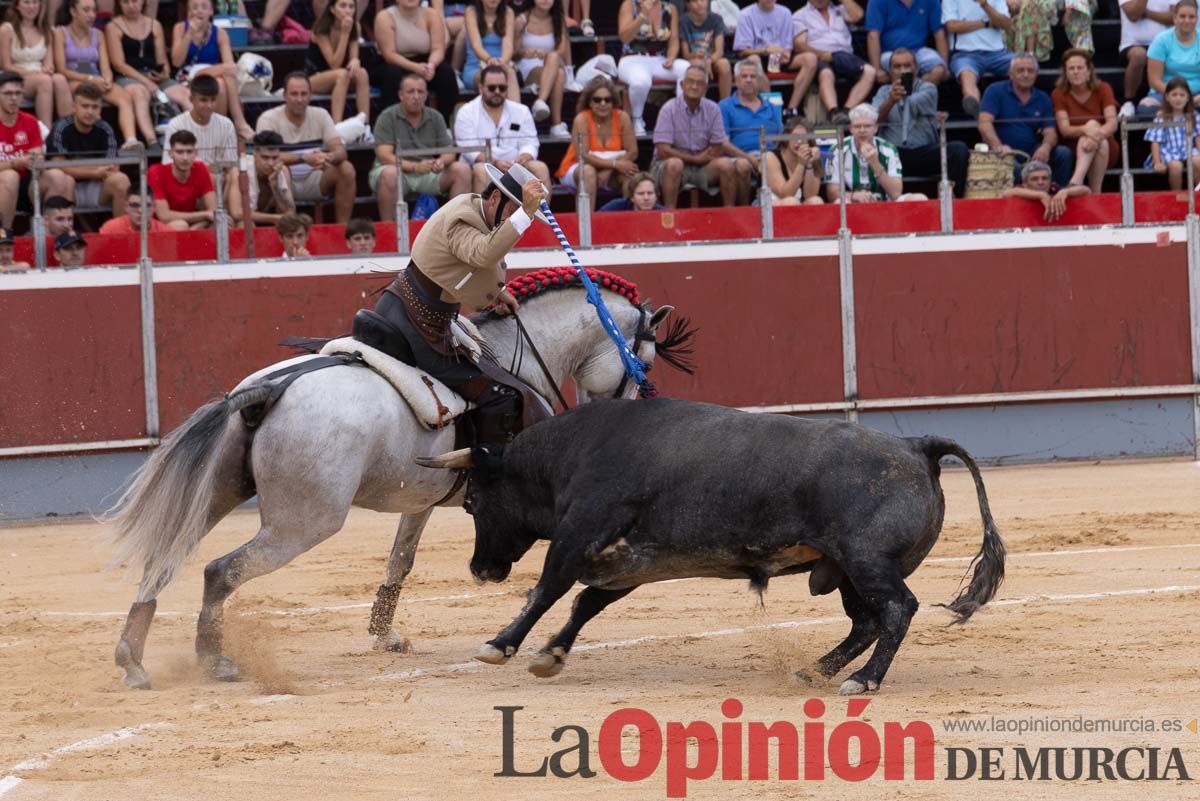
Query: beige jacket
457	250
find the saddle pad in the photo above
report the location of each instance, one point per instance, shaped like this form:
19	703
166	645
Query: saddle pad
434	404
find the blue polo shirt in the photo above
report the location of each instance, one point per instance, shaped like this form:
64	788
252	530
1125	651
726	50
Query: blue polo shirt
1001	102
904	26
742	124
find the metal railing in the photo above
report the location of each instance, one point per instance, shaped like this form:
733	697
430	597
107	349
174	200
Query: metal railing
403	246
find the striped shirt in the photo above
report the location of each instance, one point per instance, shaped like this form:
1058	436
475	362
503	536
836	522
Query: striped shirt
1172	142
856	175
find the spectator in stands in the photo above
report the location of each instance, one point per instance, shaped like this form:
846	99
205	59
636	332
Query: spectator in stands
765	30
649	30
489	27
85	135
270	182
794	168
25	40
702	44
137	50
1033	20
20	145
689	139
412	39
609	155
1032	113
183	189
910	122
201	48
69	249
216	138
268	17
293	231
360	236
1174	53
507	125
894	23
319	164
1036	184
58	215
867	166
544	51
80	58
1141	21
1169	147
411	125
821	29
978	28
332	61
641	194
745	114
1086	112
130	223
7	263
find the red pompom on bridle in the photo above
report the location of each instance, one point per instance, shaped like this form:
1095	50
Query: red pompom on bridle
535	283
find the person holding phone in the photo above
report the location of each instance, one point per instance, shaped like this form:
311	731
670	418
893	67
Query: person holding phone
908	119
137	50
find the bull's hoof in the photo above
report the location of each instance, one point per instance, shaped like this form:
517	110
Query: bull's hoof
136	677
548	663
221	668
491	654
856	687
392	642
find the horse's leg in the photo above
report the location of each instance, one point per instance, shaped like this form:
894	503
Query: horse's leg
404	550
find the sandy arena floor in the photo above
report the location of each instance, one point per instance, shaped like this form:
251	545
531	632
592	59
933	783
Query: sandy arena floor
1099	620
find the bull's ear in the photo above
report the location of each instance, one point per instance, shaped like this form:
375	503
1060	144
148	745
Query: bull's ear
660	316
454	460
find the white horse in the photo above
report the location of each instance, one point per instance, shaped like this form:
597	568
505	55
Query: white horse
338	437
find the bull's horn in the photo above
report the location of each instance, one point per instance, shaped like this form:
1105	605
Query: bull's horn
454	460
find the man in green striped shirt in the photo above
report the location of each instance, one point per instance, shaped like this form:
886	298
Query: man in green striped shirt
867	166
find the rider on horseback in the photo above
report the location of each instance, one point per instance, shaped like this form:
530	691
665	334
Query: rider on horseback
458	259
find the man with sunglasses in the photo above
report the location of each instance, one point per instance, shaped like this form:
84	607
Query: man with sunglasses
506	125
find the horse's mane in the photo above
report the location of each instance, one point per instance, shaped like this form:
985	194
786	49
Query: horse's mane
539	282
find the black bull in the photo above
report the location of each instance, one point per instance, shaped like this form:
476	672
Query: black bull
631	492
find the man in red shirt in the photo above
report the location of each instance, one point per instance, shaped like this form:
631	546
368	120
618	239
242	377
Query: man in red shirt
20	146
183	189
130	223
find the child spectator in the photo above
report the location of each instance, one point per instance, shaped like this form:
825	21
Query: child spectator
641	194
183	189
80	57
293	231
1171	147
332	61
137	50
130	223
544	52
201	48
489	27
360	236
702	43
69	249
25	39
412	39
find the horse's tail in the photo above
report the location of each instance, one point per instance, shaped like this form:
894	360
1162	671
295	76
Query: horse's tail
988	564
166	510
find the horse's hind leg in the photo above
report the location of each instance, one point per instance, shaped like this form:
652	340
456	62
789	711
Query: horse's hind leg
400	563
272	548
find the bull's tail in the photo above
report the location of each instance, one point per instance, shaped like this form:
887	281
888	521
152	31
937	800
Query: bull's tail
166	510
988	564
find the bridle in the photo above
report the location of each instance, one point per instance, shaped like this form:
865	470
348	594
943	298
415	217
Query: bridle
639	336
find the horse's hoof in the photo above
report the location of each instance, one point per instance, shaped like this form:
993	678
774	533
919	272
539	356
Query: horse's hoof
222	668
491	654
392	642
136	677
855	687
548	663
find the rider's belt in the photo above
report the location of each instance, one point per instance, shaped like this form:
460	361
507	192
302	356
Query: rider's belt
428	313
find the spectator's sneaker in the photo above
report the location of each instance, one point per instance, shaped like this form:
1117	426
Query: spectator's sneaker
540	110
789	112
530	88
971	107
1127	109
571	84
367	138
639	126
462	87
131	144
560	130
154	152
839	116
261	36
587	28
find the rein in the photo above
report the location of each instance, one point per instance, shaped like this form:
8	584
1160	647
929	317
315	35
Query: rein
541	362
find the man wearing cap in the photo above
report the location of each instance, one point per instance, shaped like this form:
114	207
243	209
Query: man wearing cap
6	253
68	249
458	259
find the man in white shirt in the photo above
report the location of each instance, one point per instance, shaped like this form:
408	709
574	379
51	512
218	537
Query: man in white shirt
1141	21
216	138
821	28
320	168
508	126
976	29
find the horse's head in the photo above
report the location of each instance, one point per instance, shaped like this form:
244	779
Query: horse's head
602	374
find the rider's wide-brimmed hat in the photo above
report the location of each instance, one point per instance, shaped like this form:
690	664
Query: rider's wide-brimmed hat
510	183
